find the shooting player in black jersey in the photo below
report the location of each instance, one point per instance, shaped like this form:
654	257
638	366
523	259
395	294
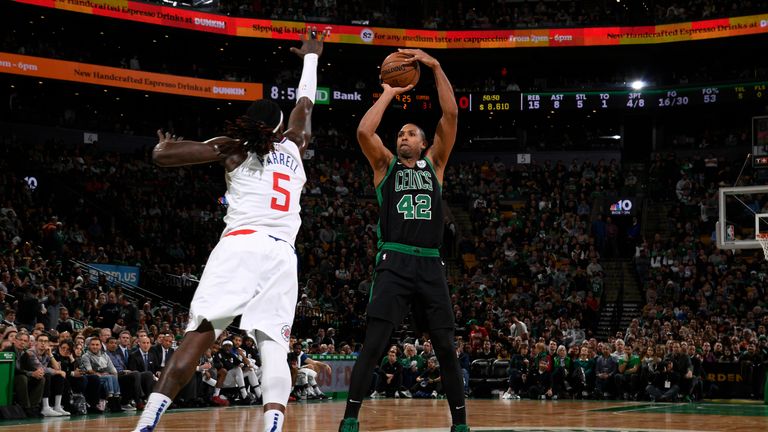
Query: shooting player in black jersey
409	271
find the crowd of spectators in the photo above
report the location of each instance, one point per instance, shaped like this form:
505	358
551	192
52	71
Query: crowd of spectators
528	273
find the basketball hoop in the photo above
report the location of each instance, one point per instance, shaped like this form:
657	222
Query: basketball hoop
762	238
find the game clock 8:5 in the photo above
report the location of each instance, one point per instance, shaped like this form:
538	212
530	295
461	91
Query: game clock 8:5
277	93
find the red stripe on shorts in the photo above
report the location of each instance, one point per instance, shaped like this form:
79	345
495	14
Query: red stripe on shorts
240	232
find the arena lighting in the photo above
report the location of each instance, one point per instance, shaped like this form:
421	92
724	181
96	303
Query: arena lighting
637	85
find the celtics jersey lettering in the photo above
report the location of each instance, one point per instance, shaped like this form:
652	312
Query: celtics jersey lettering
411	205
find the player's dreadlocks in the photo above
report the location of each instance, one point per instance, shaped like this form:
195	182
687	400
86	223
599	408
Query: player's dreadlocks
258	128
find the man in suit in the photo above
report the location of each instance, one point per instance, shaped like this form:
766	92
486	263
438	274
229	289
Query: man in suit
163	350
146	364
124	347
29	382
129	380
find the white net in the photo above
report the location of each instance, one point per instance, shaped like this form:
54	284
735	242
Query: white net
762	238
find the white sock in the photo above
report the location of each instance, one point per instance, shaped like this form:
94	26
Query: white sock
45	403
57	401
156	406
216	391
243	393
273	421
211	382
257	391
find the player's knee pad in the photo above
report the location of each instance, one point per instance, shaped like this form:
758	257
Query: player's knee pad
275	373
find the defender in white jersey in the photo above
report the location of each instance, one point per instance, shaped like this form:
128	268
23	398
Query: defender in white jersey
252	271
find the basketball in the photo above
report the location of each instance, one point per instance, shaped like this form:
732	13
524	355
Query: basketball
397	72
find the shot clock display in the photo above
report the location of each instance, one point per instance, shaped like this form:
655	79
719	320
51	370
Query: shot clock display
409	101
607	100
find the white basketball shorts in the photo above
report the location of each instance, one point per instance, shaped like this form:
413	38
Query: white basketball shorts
253	275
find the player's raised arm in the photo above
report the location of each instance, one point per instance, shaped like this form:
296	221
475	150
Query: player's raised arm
300	121
172	151
370	142
445	134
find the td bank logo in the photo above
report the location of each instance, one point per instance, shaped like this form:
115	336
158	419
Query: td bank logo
323	96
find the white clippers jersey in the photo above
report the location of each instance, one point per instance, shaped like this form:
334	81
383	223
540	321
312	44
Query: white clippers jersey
263	193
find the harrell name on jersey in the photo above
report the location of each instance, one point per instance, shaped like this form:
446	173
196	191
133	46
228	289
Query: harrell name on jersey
263	193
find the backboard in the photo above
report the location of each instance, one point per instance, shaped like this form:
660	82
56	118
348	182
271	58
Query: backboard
743	212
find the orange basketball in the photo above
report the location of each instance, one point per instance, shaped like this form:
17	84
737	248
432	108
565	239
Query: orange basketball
396	72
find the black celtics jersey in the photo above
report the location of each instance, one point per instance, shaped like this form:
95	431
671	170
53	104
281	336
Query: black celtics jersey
411	205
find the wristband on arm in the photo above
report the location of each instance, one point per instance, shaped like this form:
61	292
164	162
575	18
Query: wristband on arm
308	82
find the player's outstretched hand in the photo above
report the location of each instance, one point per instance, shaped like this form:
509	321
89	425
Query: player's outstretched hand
167	136
396	90
419	55
311	42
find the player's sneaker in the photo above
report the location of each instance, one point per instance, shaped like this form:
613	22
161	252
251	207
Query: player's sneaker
49	412
507	395
460	428
220	401
349	425
61	411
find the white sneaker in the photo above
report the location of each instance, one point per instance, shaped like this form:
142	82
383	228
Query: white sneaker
397	395
507	396
554	397
128	407
516	396
49	412
61	411
376	394
434	394
406	394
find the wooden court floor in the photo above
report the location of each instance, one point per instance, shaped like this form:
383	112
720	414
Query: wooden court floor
400	415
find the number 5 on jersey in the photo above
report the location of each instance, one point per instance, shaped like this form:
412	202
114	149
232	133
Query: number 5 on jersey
422	209
276	177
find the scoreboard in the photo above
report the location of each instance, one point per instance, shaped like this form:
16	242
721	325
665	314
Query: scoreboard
614	100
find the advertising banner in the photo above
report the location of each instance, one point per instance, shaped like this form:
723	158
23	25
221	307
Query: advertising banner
734	380
501	38
125	274
127	78
341	372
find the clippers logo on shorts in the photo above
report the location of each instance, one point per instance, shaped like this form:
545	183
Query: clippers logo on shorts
286	332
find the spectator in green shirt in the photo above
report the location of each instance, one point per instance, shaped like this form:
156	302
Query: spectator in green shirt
584	372
628	376
413	365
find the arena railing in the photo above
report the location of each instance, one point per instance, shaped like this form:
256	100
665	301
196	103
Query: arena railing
133	292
